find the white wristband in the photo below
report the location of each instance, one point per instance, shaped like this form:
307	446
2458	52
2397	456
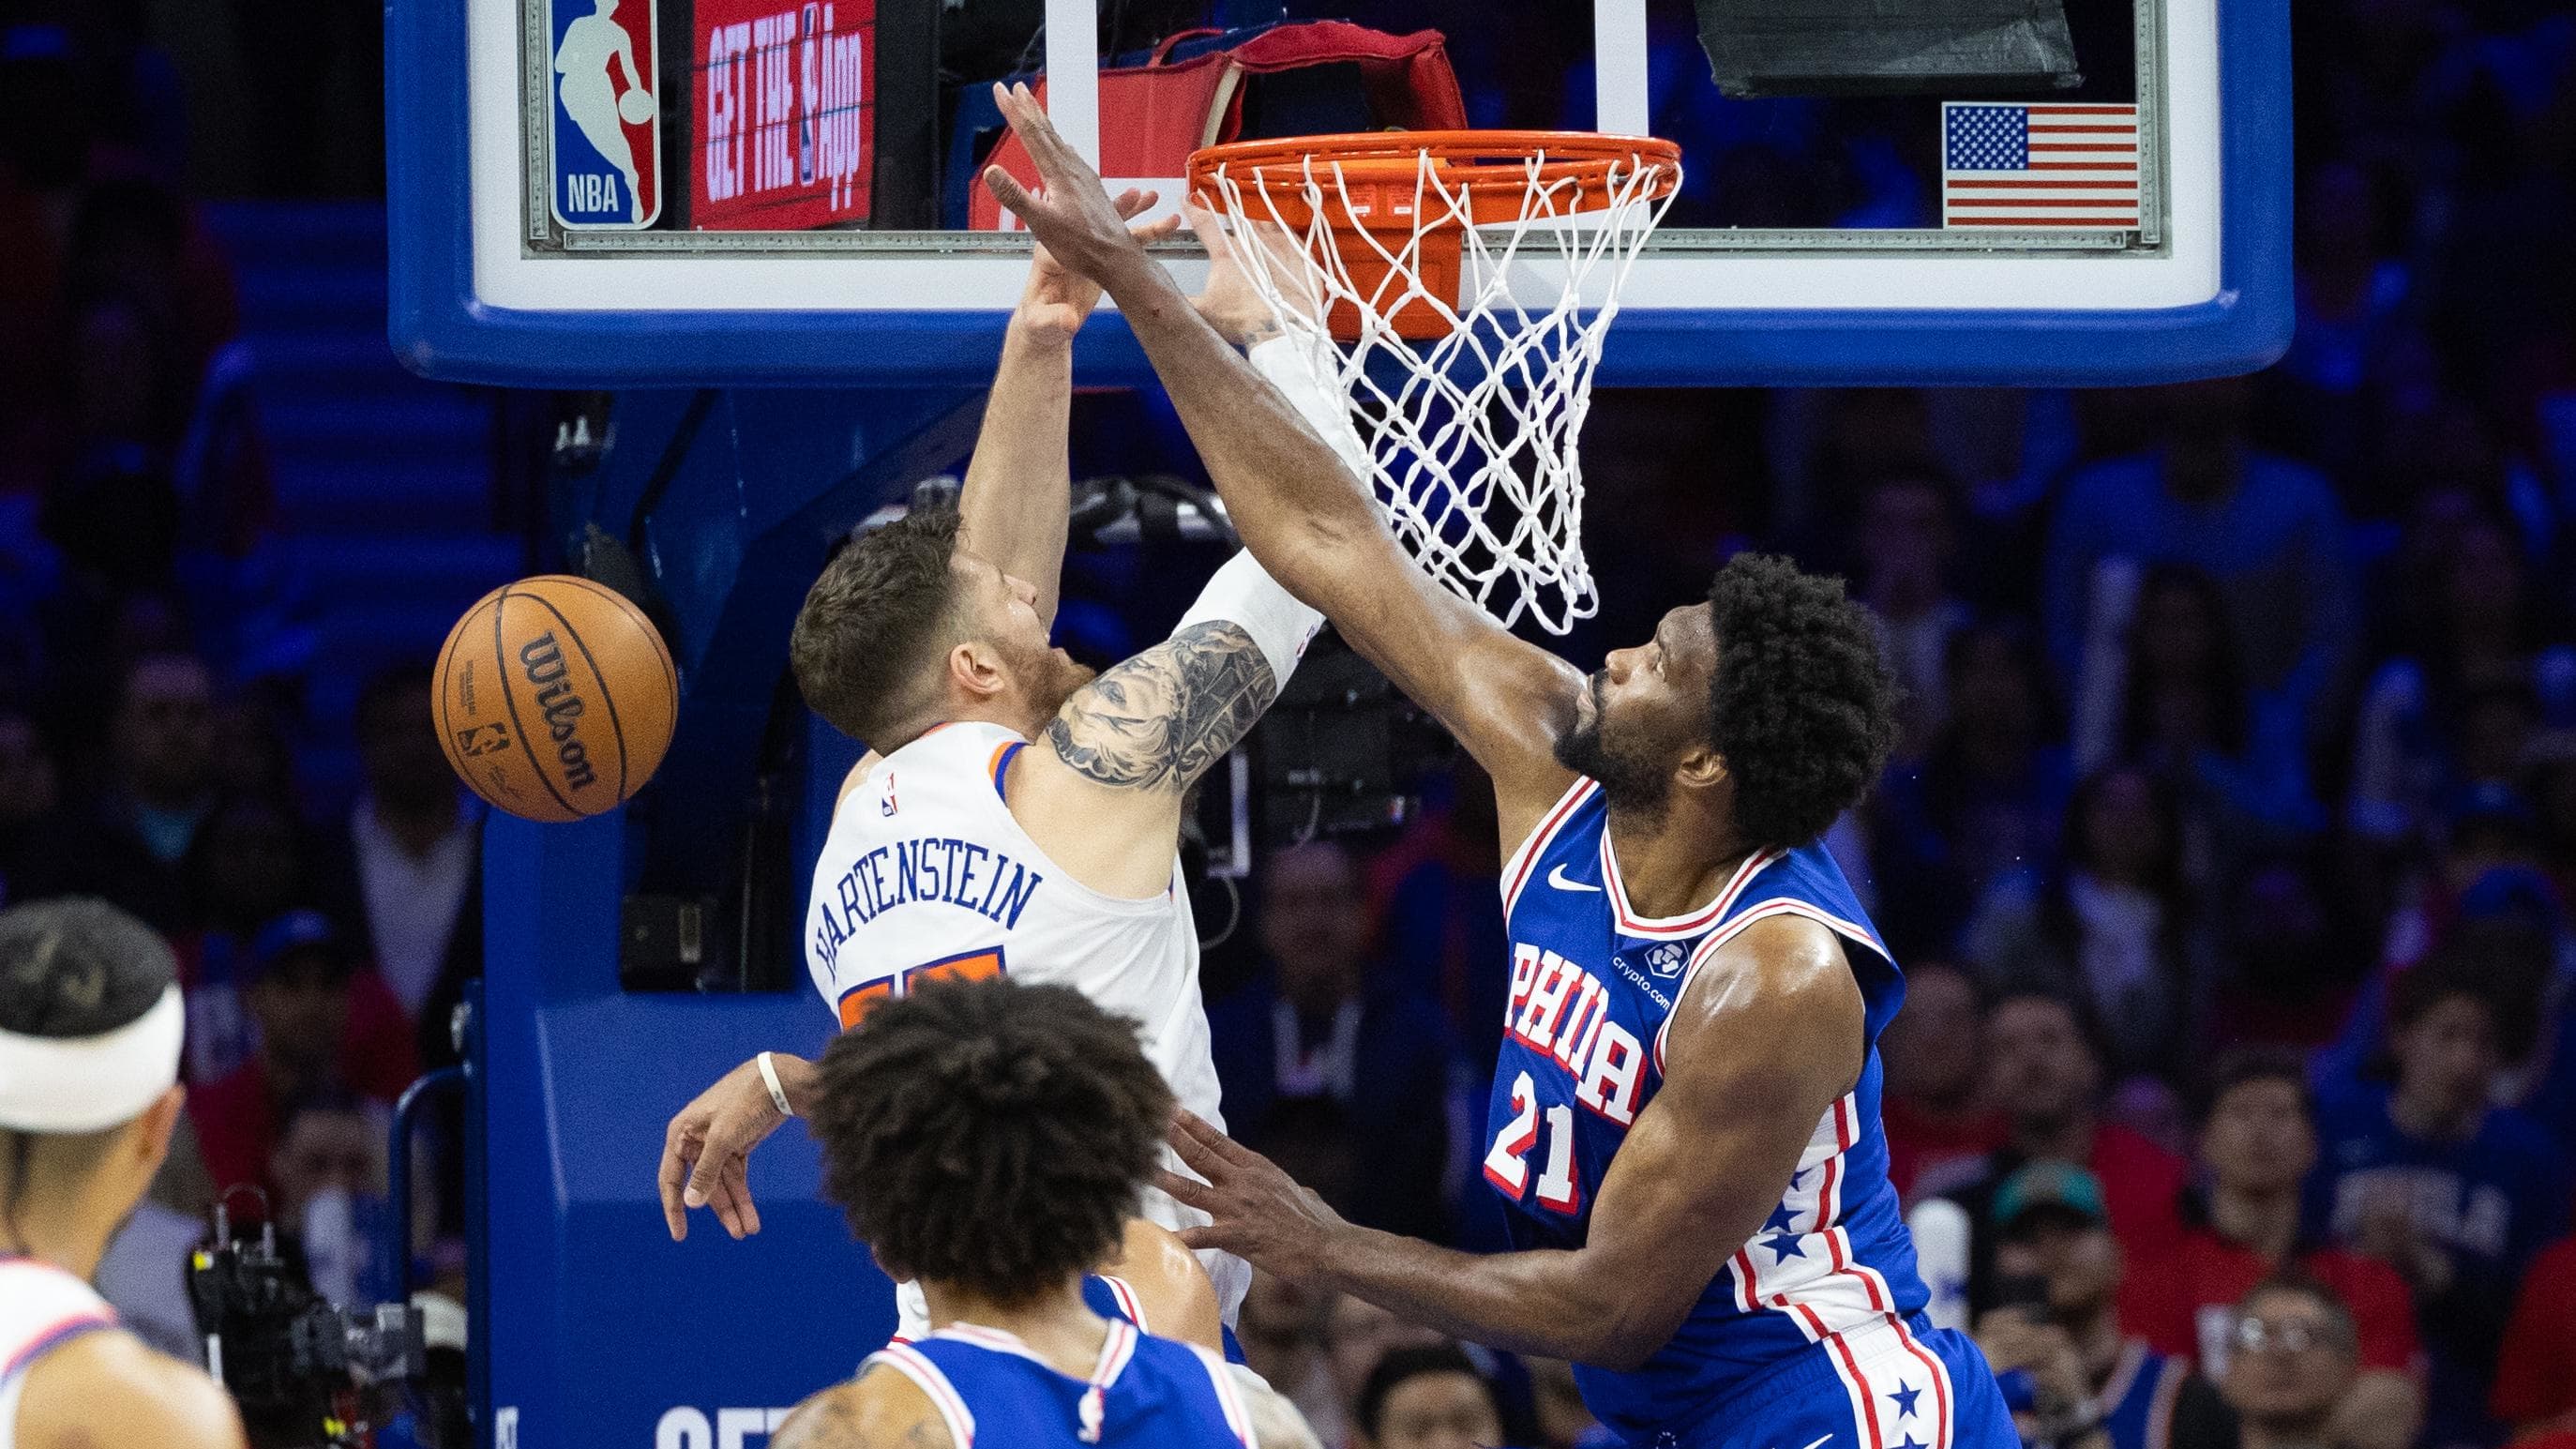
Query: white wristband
777	1093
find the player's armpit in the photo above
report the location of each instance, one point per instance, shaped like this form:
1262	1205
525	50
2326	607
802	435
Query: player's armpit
1767	1035
881	1409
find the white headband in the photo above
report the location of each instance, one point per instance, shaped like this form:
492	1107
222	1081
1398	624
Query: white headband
91	1083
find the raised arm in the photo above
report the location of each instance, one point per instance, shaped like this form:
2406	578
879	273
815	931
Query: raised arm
1766	1036
1303	513
1019	484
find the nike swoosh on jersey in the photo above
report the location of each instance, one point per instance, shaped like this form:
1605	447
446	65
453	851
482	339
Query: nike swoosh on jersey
1557	879
1826	1440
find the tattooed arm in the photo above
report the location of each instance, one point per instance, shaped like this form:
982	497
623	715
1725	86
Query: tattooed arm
1101	792
881	1409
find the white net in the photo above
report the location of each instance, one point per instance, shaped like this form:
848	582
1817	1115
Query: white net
1471	434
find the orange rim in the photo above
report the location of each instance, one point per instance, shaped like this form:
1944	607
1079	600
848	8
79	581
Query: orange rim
1491	166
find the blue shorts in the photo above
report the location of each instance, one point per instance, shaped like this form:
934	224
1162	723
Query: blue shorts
1920	1388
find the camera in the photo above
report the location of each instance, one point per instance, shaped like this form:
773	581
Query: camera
305	1373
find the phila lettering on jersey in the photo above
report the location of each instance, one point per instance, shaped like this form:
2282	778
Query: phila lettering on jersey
1593	984
927	876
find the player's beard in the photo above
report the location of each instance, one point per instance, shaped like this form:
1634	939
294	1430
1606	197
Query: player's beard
1632	781
1061	674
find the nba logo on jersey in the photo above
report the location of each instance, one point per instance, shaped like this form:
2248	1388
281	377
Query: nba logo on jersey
885	797
607	132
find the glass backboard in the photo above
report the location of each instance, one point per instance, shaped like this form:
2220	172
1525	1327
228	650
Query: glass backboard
628	192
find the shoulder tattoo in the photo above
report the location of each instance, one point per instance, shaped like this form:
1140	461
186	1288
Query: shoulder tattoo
1158	721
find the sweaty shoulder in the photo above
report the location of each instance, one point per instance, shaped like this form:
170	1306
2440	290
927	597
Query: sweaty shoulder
1172	1290
1784	981
107	1390
880	1409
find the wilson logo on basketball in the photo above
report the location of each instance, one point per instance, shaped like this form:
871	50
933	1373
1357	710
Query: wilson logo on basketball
556	698
542	659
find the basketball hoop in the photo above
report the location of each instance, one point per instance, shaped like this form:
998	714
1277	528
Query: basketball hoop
1401	253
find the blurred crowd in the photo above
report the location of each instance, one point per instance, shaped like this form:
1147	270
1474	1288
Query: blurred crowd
2229	848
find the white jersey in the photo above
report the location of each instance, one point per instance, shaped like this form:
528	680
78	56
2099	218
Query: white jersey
41	1308
926	875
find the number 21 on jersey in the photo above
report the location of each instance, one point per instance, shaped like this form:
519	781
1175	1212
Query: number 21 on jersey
858	1001
1507	1166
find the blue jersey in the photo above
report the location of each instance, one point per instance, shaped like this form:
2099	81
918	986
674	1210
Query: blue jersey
1145	1393
1831	1272
2138	1401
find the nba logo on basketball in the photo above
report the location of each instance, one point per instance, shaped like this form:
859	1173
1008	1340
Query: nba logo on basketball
607	147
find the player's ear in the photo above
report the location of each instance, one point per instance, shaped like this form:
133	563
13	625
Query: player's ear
154	1128
975	669
1702	768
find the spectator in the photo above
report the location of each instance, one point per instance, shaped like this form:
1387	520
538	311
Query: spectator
1429	1397
1281	1328
2114	928
329	1169
2535	1381
1358	1335
28	797
2258	1140
2292	1366
2457	1196
1432	892
1935	1111
2288	960
245	870
1907	536
2073	1378
412	853
305	997
2267	530
2045	1072
130	847
1986	801
1564	1420
2476	678
1311	1046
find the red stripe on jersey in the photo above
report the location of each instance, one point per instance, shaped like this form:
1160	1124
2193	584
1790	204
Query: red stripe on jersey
1940	1385
1580	791
1851	1368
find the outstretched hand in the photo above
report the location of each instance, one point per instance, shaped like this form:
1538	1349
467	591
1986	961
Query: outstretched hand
1232	303
1261	1214
1056	301
1071	214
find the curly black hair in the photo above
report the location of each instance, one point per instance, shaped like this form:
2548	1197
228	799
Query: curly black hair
872	620
990	1135
1803	708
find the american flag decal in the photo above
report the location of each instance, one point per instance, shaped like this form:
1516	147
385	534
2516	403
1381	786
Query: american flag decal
2063	167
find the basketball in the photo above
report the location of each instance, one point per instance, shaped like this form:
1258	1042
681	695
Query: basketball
635	107
556	698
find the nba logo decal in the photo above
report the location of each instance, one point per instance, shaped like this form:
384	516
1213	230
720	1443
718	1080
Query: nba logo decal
607	147
482	739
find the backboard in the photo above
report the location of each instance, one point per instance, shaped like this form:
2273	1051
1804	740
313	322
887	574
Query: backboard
698	192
